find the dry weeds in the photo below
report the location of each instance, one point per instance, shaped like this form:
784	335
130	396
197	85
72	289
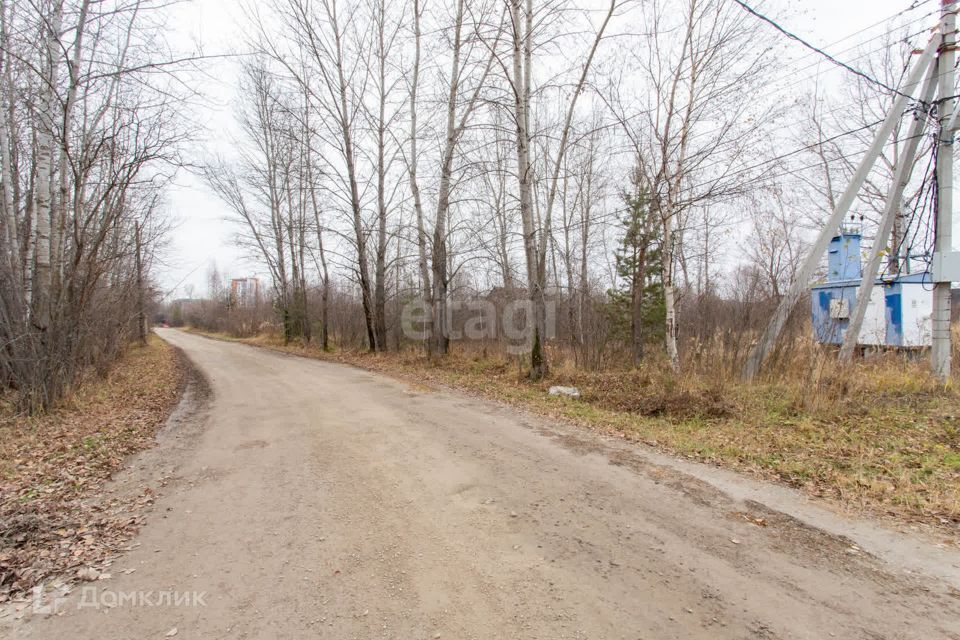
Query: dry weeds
53	467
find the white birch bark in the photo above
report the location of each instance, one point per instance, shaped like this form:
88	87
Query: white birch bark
422	262
45	137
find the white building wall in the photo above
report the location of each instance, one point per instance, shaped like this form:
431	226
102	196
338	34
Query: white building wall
874	329
917	308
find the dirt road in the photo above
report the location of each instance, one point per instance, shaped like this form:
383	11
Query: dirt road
321	501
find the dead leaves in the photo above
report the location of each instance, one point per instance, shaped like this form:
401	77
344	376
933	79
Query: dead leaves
751	518
56	466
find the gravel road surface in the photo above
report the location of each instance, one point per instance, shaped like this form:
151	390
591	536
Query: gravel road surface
317	500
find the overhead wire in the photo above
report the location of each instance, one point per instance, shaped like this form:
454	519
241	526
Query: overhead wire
794	83
821	52
860	55
913	6
828	112
781	157
765	176
918	206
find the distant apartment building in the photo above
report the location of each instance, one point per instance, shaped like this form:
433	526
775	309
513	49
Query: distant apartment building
244	292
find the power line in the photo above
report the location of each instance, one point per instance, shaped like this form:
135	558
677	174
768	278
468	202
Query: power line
766	176
822	114
816	50
927	215
821	52
789	154
916	4
886	33
777	90
860	56
770	176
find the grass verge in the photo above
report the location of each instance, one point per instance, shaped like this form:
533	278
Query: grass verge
53	516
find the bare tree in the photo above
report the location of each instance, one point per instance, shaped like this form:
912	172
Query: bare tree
261	192
413	161
326	41
88	138
470	65
775	245
535	240
695	125
384	29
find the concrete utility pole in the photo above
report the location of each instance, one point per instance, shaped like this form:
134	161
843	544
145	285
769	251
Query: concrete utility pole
891	212
943	234
802	280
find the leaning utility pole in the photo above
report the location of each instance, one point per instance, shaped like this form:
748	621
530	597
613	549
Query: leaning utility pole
891	212
802	280
943	231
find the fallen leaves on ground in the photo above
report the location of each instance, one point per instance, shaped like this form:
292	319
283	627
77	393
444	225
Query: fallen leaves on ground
54	515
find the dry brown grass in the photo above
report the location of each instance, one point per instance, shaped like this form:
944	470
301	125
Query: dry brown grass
51	465
881	435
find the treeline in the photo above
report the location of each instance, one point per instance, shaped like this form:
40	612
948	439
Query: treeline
89	136
398	153
628	184
593	332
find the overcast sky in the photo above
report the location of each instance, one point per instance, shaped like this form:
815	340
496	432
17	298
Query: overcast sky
203	234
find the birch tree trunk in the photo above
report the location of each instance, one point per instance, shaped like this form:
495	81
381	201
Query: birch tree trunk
669	292
422	263
522	59
537	254
42	207
63	199
380	269
11	229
